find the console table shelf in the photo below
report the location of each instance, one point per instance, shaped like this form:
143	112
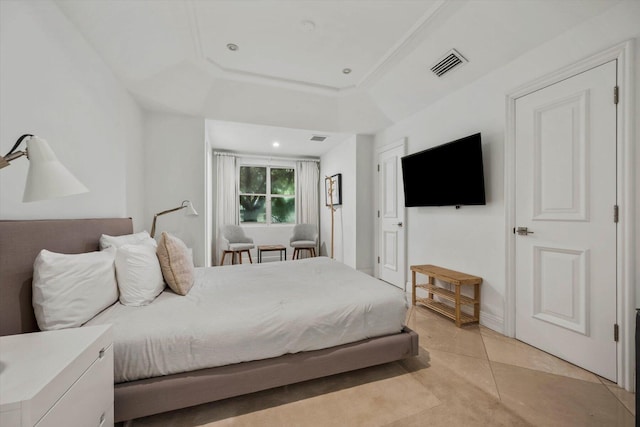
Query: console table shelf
454	278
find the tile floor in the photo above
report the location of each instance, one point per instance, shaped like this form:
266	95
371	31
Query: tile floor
470	376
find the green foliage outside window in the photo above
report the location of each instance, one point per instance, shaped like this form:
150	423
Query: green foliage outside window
283	210
283	182
253	188
253	179
255	196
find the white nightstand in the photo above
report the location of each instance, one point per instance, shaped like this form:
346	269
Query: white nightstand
57	378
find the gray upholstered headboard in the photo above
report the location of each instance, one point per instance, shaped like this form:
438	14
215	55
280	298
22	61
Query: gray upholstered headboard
20	243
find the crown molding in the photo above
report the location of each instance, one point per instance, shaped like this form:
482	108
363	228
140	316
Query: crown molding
194	28
399	50
249	77
405	45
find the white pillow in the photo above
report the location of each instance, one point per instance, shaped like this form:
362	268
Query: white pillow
69	290
139	276
140	238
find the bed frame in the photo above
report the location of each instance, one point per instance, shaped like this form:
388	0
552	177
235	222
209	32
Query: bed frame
20	243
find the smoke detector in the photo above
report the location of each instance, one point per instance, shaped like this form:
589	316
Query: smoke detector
448	62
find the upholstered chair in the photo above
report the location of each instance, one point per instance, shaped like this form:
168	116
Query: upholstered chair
233	241
305	237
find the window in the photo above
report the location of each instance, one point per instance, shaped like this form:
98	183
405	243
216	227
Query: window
267	195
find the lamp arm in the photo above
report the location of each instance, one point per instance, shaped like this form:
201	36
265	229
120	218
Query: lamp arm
16	145
4	160
170	210
155	217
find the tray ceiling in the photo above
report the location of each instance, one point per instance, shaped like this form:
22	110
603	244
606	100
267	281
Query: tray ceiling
288	68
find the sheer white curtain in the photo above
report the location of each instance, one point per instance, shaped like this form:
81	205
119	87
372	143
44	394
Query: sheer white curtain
226	196
307	193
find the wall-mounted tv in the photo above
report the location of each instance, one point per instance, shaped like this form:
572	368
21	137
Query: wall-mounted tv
447	175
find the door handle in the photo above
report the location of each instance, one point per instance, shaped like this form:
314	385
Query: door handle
399	224
522	231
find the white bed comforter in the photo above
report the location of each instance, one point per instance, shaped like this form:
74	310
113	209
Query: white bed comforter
249	312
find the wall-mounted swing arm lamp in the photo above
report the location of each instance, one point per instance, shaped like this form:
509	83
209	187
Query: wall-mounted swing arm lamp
186	204
47	177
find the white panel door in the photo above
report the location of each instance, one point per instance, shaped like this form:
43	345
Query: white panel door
391	213
565	197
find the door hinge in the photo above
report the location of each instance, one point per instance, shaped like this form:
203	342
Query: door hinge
378	213
378	168
378	260
616	94
616	213
616	332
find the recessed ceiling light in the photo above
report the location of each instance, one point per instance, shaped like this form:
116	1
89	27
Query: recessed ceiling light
232	47
346	70
276	144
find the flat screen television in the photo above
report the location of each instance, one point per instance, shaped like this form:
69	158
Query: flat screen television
447	175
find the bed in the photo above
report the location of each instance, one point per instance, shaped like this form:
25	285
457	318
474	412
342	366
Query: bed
146	394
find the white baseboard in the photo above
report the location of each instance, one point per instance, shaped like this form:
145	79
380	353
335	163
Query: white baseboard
368	271
492	322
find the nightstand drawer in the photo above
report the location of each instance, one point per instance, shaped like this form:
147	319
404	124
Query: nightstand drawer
41	369
89	401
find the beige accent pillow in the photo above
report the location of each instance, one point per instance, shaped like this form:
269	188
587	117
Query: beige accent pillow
176	263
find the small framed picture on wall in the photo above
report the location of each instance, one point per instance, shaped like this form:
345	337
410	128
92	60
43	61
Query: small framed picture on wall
333	189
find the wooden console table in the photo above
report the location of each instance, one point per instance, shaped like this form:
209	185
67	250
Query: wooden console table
455	278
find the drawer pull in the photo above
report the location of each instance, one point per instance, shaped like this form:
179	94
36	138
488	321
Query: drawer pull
101	353
102	418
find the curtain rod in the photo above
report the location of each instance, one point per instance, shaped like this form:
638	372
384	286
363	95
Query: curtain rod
262	156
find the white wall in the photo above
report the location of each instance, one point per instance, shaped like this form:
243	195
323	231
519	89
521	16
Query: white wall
340	159
472	239
365	233
175	170
54	85
353	220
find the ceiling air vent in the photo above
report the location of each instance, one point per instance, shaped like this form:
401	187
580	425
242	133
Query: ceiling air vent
318	138
449	61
